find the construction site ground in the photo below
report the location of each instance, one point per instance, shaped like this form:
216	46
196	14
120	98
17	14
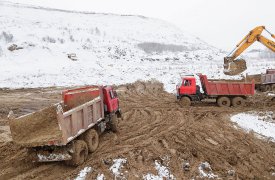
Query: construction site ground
155	129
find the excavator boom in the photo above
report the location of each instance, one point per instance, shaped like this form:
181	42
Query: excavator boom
233	66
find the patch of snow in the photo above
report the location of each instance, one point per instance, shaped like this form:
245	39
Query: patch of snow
163	172
258	122
100	177
118	164
83	173
205	171
53	157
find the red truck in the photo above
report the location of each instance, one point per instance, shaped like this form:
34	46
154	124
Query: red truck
69	130
226	93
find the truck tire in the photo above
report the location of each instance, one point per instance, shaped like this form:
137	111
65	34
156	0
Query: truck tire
238	102
262	88
273	87
223	102
267	88
91	138
185	101
114	124
79	153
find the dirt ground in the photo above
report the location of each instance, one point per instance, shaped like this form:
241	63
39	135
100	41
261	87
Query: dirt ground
155	128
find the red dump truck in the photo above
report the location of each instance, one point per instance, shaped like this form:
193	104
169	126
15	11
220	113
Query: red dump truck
226	93
263	82
69	130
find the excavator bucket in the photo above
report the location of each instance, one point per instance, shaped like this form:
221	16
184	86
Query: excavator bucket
235	67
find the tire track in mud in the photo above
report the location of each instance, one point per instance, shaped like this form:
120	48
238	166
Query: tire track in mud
155	127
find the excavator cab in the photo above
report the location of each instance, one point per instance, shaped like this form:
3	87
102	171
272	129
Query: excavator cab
234	67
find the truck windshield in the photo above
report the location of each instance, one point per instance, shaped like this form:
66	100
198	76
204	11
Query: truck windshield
186	82
113	94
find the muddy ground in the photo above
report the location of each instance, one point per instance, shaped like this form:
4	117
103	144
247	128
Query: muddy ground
154	129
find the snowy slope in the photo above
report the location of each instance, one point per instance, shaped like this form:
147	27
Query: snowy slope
111	49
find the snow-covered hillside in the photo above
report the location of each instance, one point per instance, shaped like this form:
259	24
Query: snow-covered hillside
110	49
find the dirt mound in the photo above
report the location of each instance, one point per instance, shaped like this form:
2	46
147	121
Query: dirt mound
157	134
37	128
256	77
142	87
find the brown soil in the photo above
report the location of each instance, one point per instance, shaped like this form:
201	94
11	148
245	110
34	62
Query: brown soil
36	129
255	77
156	127
236	67
77	102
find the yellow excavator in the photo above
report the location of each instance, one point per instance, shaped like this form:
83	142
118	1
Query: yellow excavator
233	66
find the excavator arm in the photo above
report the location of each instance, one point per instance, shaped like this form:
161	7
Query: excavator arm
233	66
267	42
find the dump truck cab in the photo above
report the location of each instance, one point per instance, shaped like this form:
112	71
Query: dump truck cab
111	103
187	86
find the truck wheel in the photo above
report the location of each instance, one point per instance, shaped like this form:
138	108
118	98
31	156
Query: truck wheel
237	102
79	153
267	88
262	88
92	140
185	101
114	124
223	102
273	87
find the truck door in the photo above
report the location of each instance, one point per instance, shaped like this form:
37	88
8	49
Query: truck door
114	100
188	87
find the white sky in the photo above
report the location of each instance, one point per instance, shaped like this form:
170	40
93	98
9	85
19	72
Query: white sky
221	23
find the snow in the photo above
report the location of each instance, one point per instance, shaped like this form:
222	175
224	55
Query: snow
83	173
100	177
260	122
163	173
118	164
205	171
108	48
53	157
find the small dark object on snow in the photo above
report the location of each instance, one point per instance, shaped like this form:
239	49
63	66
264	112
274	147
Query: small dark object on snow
14	47
72	56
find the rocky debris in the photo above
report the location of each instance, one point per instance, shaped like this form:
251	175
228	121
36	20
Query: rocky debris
205	171
231	172
186	166
14	47
72	56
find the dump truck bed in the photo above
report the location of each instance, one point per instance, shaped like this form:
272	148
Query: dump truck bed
256	77
52	126
218	88
37	128
268	78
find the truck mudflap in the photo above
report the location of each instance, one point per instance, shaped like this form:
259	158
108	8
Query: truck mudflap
119	113
50	156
